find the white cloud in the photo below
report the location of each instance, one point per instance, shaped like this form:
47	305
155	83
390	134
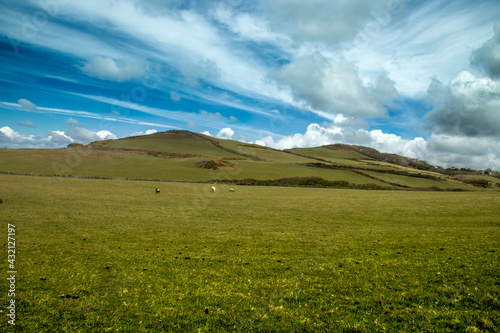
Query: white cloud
85	136
115	70
459	151
188	40
12	139
9	134
27	105
225	133
54	139
249	27
111	117
59	137
433	38
444	150
207	133
334	86
147	132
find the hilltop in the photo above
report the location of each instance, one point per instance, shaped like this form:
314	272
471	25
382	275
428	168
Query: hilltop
186	156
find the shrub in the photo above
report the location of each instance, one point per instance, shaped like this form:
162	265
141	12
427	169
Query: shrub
478	182
214	164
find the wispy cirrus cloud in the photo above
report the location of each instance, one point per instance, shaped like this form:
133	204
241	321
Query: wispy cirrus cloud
271	69
111	117
114	70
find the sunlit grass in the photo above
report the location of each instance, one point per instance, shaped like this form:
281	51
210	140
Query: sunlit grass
263	259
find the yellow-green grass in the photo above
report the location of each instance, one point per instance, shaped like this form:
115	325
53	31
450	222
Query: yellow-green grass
410	181
329	154
172	142
268	154
134	164
494	181
89	162
268	171
339	156
261	259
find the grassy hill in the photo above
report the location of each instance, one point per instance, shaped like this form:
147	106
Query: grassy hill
186	156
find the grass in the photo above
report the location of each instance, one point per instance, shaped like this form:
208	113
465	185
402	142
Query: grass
173	142
91	162
82	162
416	181
261	259
177	155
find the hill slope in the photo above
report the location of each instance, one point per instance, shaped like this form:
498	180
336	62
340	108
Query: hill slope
186	156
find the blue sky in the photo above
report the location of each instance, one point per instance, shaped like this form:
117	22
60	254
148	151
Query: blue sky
417	78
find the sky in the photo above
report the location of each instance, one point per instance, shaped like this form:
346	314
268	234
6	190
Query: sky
410	77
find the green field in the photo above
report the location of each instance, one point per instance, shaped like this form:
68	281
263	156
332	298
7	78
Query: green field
181	156
113	256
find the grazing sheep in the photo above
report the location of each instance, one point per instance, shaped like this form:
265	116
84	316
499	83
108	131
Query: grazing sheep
157	190
212	189
231	190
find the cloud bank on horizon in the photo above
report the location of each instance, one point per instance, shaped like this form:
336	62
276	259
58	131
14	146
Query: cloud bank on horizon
416	78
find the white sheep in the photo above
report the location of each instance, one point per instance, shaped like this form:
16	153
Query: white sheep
231	190
213	189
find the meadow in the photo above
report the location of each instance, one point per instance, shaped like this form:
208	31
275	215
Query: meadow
112	256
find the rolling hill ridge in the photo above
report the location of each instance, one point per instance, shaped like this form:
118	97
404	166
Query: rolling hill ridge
187	156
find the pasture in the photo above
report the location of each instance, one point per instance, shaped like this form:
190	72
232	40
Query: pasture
113	256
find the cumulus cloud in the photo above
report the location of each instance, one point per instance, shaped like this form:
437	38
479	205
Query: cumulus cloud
8	135
317	135
59	138
27	105
487	57
84	135
459	151
335	87
147	132
207	133
225	133
439	149
27	123
468	106
12	139
115	70
54	139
